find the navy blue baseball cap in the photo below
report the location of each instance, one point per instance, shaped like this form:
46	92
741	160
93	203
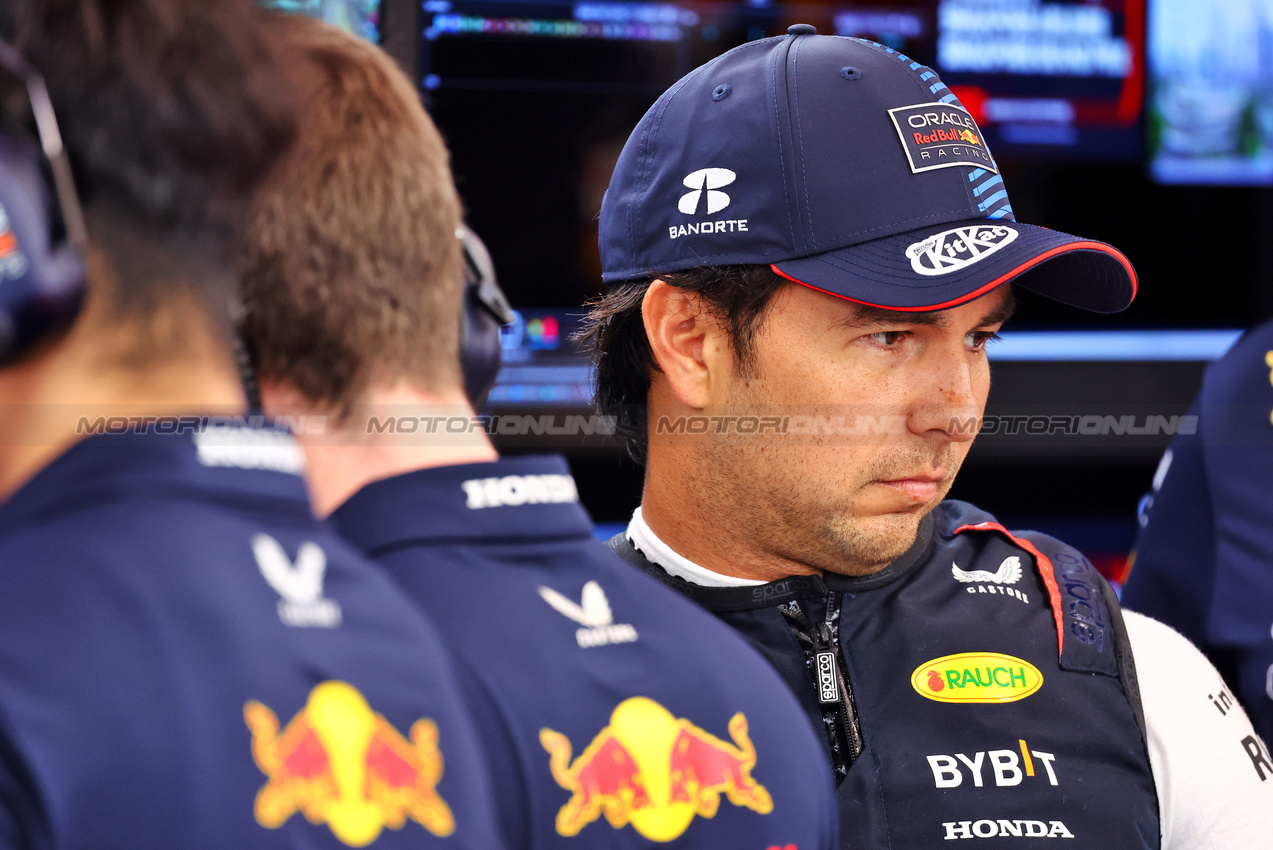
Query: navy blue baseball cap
848	168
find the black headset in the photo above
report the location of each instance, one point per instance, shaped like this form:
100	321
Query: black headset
485	308
43	240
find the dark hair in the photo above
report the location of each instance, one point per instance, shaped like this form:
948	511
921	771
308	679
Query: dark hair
171	111
351	270
614	332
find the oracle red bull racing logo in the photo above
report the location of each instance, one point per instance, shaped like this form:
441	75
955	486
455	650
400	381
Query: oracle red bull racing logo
940	135
654	771
340	763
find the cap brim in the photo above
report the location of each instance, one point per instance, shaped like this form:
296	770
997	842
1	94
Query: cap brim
1079	272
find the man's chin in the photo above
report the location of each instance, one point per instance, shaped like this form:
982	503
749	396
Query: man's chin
869	544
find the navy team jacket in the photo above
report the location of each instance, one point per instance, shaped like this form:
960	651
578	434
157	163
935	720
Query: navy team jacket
1204	557
188	659
987	680
616	713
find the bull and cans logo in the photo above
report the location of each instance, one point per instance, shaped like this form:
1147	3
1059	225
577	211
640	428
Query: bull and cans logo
957	248
654	771
13	263
940	135
342	764
986	677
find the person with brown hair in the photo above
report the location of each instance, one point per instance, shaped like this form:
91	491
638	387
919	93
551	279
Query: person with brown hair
187	657
615	713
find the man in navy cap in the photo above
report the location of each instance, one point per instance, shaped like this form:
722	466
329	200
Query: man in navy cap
187	657
616	713
809	246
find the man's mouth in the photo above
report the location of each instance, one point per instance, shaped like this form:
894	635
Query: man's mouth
920	487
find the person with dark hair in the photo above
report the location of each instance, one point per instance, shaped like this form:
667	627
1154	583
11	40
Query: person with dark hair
616	713
187	657
809	247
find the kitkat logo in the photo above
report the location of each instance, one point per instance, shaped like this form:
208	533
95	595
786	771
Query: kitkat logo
976	677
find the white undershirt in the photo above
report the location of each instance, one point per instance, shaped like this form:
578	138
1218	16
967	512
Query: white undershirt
1210	794
673	563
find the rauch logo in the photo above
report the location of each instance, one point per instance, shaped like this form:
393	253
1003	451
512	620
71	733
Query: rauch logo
976	677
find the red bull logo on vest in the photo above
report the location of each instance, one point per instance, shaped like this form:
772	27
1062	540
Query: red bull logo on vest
340	763
654	771
976	677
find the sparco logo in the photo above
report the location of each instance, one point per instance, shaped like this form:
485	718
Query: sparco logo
952	250
1005	829
828	688
706	181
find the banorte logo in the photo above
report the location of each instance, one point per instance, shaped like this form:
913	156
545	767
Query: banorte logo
654	771
976	677
705	181
340	763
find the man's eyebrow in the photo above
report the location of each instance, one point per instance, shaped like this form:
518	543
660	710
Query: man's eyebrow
864	315
1003	312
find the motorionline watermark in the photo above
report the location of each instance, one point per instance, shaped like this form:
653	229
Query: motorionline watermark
1070	425
88	426
504	425
869	425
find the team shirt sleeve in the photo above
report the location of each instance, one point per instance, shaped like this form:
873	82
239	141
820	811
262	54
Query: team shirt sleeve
1174	573
1213	773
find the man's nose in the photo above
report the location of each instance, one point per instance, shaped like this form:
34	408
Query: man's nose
948	403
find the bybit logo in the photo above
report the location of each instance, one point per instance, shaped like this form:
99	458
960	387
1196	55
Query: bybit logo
706	181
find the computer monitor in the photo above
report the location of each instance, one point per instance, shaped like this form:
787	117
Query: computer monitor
1058	79
1211	92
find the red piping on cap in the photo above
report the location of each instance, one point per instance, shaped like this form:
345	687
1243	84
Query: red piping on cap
982	290
1045	569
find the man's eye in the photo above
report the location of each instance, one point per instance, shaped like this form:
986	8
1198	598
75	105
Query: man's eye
978	339
888	339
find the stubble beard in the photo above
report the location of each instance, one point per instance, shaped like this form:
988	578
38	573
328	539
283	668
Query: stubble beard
814	523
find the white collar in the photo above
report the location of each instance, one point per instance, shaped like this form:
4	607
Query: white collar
658	552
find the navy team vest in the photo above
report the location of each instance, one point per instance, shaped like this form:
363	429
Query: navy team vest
993	688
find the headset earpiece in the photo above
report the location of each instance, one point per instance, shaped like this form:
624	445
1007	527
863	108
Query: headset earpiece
42	279
484	309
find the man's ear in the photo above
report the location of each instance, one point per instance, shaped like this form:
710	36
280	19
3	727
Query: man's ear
690	346
279	398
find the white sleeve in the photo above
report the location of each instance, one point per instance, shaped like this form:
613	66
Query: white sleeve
1213	773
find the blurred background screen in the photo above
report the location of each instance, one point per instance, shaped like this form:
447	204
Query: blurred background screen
1210	110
